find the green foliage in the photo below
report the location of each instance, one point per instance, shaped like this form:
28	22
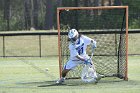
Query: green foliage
2	25
17	17
134	14
135	24
93	19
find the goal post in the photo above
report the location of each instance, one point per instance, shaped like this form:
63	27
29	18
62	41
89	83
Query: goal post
109	25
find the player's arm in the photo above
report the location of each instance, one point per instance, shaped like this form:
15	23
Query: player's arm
86	61
93	43
80	58
90	41
74	53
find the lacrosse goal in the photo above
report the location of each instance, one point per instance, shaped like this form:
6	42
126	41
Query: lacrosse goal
108	25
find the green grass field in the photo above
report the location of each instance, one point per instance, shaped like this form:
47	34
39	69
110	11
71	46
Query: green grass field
28	75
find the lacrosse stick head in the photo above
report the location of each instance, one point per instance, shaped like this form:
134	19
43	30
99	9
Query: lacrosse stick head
88	74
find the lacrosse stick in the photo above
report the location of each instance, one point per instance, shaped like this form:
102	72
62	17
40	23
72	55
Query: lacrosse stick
92	53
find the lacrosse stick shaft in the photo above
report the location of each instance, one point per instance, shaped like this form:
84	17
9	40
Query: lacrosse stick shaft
92	52
91	58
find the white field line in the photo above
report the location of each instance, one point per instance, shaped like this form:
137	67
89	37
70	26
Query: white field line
24	65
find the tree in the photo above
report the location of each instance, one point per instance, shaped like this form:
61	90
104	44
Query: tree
7	12
134	14
59	3
110	2
35	13
27	16
86	3
31	14
117	2
48	15
102	2
96	2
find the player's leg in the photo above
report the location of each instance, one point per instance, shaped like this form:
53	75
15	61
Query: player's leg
97	75
68	66
89	73
64	73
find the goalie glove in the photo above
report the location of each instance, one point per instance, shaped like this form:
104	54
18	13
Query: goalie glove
88	61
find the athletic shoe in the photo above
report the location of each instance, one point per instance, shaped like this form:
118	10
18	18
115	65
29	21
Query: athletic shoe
99	77
60	81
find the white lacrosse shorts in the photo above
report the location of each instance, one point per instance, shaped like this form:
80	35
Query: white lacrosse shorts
71	64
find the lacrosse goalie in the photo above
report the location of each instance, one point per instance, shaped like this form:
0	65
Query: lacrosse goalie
77	46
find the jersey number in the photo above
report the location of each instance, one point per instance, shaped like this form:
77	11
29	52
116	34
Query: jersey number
80	51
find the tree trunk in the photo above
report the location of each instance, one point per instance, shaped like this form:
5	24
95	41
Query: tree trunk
27	15
31	14
103	2
110	2
96	2
49	15
35	13
86	3
7	13
117	2
59	3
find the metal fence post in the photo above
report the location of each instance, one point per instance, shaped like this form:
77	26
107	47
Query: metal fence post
3	46
40	45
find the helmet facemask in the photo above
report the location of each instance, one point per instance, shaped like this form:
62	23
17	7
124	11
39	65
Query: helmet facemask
73	39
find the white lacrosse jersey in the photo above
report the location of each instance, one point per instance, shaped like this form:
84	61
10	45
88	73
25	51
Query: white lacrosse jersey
79	47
